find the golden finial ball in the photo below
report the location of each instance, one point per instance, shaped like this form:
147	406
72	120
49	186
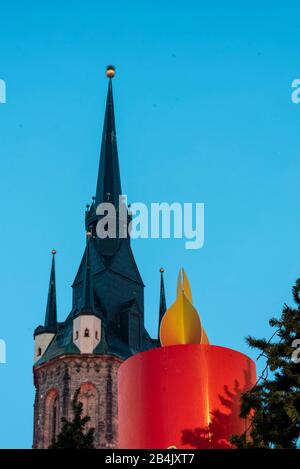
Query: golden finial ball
110	71
88	233
53	252
161	270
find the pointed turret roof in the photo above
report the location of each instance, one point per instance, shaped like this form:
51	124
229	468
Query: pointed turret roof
162	299
87	291
109	182
51	309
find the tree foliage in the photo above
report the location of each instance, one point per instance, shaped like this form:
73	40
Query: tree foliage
73	434
272	406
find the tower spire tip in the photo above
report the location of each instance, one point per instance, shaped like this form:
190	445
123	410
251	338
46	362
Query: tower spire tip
110	71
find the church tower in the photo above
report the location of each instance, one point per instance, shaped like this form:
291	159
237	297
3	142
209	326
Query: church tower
106	323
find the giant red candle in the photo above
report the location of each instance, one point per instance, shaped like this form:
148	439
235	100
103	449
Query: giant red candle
187	396
187	393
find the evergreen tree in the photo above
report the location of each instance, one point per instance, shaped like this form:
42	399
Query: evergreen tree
72	434
272	406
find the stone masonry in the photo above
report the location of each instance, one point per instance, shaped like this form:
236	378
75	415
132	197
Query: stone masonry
60	378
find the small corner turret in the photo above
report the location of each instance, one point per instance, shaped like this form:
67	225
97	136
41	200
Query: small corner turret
86	323
43	335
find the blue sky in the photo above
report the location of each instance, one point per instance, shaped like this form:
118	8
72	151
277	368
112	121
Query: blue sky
204	114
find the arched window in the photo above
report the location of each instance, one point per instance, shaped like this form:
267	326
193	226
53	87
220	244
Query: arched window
88	397
39	352
51	427
76	335
86	333
96	335
54	417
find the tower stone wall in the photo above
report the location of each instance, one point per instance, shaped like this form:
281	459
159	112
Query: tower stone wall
56	382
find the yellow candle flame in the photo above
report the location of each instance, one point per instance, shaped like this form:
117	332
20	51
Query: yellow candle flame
181	323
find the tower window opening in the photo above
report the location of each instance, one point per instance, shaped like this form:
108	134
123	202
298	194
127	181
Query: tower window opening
39	352
89	400
134	331
86	333
76	335
54	418
51	423
96	335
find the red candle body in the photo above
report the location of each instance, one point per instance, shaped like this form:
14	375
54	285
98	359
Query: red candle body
186	396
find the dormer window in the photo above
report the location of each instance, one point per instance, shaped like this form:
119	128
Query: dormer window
39	352
76	335
86	333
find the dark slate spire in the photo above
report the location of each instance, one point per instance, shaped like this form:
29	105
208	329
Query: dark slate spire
109	183
87	289
108	279
51	310
162	302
